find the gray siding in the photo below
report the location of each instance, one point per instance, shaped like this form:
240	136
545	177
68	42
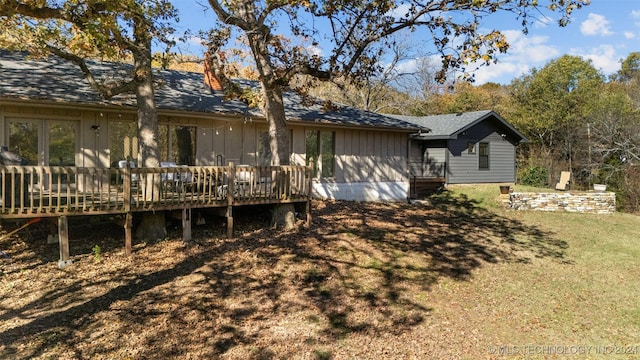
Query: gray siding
463	166
427	158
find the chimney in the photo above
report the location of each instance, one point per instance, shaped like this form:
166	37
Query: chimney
210	77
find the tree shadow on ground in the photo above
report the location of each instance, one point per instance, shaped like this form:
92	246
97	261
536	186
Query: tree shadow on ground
360	269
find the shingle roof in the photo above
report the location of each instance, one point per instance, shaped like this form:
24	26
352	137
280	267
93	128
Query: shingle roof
448	126
60	81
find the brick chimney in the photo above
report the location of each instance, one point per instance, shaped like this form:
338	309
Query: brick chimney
210	78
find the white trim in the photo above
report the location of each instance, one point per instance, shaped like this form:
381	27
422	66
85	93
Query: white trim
362	191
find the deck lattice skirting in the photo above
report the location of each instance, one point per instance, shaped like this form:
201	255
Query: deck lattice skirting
582	202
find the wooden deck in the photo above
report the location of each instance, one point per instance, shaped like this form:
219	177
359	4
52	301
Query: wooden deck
44	191
51	191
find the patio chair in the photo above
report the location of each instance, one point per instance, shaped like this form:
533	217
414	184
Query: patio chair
176	178
565	178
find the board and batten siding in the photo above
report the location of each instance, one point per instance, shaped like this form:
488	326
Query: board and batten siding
375	156
369	165
463	167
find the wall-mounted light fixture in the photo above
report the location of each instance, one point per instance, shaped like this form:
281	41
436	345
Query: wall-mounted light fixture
95	128
504	136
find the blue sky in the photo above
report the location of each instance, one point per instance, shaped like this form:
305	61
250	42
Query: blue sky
604	32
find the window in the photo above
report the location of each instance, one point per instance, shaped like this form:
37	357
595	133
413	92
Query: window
62	145
183	144
320	146
264	155
123	141
177	143
264	149
23	140
471	147
483	156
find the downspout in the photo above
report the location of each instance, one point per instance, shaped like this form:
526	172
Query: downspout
409	167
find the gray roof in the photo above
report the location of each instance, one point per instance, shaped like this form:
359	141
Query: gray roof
448	126
59	81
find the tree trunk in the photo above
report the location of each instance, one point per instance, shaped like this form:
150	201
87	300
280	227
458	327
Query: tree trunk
152	226
283	214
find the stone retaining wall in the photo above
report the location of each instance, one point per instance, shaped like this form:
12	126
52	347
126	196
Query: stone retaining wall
584	202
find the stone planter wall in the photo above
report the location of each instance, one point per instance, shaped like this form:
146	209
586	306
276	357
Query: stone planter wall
583	202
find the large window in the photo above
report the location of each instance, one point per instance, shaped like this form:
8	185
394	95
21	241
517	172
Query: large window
60	150
264	156
178	144
23	140
62	145
320	146
483	156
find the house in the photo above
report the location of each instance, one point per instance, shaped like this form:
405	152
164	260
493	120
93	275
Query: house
82	149
50	116
463	148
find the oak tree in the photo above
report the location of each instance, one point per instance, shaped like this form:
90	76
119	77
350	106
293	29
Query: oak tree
78	30
551	106
284	38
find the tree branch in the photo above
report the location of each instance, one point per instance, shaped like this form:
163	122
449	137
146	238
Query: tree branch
107	91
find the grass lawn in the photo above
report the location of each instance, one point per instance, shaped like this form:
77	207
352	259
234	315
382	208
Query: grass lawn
458	277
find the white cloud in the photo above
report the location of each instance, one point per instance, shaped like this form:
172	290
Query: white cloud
603	57
499	72
409	66
524	53
529	49
315	51
629	35
595	25
400	11
543	22
635	14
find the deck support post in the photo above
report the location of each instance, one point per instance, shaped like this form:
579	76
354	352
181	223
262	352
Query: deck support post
186	224
63	234
309	192
231	182
229	222
128	225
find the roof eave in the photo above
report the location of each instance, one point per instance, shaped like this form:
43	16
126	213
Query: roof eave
514	132
328	124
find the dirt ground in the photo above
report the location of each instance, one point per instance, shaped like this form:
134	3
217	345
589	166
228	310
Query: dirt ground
364	281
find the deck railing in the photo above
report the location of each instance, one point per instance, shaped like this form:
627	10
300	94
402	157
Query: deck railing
28	191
